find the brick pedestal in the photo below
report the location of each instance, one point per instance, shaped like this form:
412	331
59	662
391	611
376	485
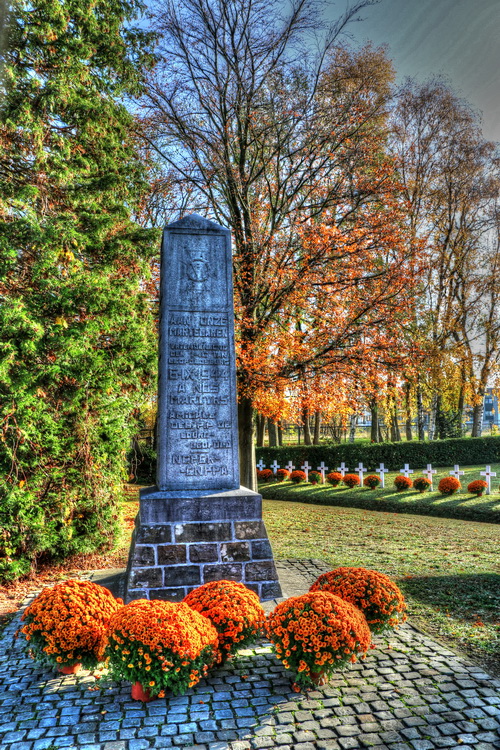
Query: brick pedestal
183	541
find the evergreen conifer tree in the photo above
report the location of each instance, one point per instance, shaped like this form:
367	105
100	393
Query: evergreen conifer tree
76	349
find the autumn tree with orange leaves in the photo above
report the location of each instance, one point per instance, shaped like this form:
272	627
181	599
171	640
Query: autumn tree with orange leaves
287	148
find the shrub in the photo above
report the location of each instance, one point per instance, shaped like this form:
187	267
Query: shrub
351	480
421	484
477	487
234	611
372	481
161	645
449	485
317	633
282	475
315	477
380	600
402	483
265	475
67	624
297	476
334	478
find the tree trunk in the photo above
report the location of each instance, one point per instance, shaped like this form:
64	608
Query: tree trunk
261	429
307	428
395	431
280	433
352	427
461	408
317	427
409	435
477	418
420	414
248	470
271	431
374	433
432	418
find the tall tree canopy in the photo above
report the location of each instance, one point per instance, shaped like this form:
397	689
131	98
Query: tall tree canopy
286	148
75	333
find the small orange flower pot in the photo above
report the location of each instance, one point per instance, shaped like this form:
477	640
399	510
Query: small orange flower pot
70	669
319	678
139	694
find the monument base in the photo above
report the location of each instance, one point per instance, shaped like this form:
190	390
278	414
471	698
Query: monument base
182	540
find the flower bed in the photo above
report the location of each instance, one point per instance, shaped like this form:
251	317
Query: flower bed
449	485
372	481
422	484
316	633
334	478
265	475
351	480
234	611
403	483
282	475
161	645
477	487
374	593
67	624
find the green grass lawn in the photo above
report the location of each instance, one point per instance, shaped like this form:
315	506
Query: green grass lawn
460	505
448	569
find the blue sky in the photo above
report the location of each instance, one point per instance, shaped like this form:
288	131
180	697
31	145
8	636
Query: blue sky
460	38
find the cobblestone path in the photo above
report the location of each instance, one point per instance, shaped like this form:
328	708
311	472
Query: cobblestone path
409	694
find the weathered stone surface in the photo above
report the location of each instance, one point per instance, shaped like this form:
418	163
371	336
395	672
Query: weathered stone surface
202	532
264	570
143	555
250	530
235	552
170	554
197	416
202	553
146	578
261	550
269	590
169	595
226	571
153	535
159	507
181	575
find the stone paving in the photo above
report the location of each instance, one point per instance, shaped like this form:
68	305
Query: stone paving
409	694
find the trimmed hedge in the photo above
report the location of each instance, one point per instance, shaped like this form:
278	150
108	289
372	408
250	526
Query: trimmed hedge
465	451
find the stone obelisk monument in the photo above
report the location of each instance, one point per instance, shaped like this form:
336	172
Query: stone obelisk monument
197	524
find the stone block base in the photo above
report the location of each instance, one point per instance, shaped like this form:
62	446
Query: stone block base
181	542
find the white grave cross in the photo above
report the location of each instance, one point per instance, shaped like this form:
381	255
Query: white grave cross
488	474
342	468
456	472
428	473
305	468
382	471
290	467
261	465
360	469
322	468
407	471
275	466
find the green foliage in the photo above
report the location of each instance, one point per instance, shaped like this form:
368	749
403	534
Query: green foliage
417	454
76	349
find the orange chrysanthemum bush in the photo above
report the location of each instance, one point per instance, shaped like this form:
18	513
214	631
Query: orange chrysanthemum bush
380	600
282	475
317	633
234	611
334	478
477	487
265	475
449	485
67	624
315	477
372	481
421	484
402	483
162	645
351	480
297	476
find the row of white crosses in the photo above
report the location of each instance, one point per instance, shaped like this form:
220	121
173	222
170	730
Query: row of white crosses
382	471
